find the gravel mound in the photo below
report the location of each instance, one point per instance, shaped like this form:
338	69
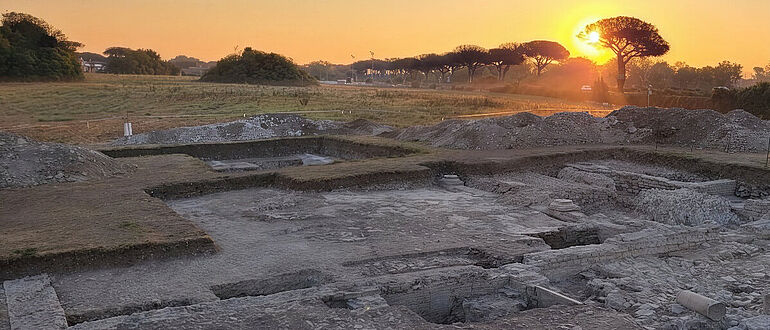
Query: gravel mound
739	130
684	207
258	127
522	130
25	162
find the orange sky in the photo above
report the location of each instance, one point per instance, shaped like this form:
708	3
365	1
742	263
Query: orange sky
701	32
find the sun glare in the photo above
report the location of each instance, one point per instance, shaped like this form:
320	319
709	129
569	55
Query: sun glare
593	37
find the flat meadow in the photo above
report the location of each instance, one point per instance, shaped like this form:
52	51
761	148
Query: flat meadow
92	111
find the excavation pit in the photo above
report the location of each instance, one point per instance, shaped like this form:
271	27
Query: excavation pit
268	163
570	236
271	153
302	279
294	231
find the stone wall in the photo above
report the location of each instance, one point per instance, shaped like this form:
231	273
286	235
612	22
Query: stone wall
754	209
632	182
436	298
437	294
571	260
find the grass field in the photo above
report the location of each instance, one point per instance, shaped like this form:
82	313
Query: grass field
92	111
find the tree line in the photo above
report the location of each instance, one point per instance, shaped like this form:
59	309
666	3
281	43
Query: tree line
662	75
122	60
467	57
628	38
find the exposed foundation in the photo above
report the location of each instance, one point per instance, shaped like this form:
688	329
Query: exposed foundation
433	242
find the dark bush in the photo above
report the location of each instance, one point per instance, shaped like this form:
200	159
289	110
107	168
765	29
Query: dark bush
256	67
755	99
141	61
723	99
32	50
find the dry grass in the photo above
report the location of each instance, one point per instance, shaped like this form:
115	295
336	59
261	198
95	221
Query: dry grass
92	111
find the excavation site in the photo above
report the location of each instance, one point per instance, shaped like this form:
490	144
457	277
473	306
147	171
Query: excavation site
370	232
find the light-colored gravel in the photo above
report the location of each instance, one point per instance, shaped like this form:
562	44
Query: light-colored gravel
25	162
684	207
734	131
258	127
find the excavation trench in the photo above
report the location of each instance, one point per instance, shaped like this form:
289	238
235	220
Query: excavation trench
302	279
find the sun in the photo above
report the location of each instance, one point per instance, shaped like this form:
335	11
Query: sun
593	37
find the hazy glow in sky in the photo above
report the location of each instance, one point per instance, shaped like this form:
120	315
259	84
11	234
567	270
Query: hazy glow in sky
701	32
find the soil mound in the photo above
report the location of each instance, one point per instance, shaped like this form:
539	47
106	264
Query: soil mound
735	131
25	162
258	127
522	130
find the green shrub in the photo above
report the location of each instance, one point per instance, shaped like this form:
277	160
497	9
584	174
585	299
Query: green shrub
32	50
256	67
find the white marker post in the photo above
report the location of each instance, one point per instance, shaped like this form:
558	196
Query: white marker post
127	129
649	92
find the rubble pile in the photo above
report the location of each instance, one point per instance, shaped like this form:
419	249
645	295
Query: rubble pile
646	287
737	130
734	131
522	130
25	162
684	207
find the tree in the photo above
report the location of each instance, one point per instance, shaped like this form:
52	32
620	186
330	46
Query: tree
519	73
761	74
30	49
471	57
427	63
661	75
184	62
544	52
319	69
686	77
638	71
123	60
628	38
404	67
256	67
446	65
504	56
727	74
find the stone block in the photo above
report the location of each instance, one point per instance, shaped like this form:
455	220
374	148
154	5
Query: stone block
33	304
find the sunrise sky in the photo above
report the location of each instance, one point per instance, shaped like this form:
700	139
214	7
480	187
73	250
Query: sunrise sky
701	32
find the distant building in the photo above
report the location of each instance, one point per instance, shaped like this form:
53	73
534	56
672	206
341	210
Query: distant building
93	66
194	71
